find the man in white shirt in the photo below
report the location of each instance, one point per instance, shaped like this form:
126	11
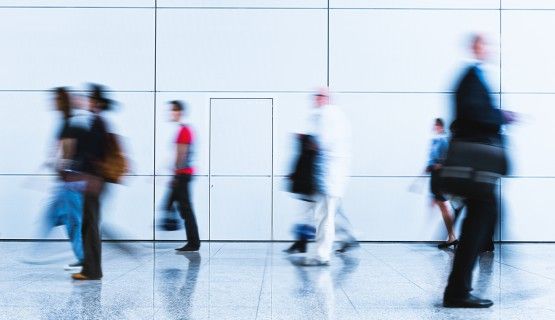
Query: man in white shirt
333	135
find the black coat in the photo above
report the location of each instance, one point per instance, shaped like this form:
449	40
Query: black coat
476	118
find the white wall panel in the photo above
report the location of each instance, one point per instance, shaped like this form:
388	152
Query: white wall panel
528	4
29	128
23	203
288	210
81	3
197	115
241	135
24	200
416	4
127	209
526	209
527	52
243	3
383	209
67	46
392	132
291	116
240	208
200	200
530	151
244	50
133	120
403	50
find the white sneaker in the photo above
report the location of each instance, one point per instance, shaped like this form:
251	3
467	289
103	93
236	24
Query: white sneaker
314	262
77	266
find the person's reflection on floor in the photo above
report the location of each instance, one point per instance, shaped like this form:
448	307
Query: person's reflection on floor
177	290
85	302
319	284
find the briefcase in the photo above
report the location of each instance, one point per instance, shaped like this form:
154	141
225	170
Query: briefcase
472	169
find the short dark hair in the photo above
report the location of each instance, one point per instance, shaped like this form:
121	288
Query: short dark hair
177	105
64	101
439	122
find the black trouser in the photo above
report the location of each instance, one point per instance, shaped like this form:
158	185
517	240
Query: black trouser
180	194
480	220
92	246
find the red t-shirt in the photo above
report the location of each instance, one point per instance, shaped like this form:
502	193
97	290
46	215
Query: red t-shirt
185	136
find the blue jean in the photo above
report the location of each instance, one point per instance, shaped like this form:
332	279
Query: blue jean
66	209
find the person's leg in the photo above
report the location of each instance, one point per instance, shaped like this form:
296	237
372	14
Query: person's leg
447	219
53	216
74	208
325	233
91	237
488	245
186	210
480	214
304	230
343	228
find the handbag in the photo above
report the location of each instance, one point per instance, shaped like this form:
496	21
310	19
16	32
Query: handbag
302	181
472	169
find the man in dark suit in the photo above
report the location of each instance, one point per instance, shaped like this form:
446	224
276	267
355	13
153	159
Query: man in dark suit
477	119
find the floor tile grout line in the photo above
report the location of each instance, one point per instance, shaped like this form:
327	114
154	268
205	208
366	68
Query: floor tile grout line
262	283
526	271
397	271
349	299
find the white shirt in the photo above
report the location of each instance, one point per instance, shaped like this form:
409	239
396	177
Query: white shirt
333	135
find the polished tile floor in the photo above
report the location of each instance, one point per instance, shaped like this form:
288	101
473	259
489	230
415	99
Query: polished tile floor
145	280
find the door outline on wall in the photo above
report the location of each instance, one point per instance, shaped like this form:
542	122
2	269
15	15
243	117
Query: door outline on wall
210	162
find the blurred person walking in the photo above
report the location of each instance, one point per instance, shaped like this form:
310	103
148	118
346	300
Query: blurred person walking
332	134
96	151
66	205
438	150
180	186
477	128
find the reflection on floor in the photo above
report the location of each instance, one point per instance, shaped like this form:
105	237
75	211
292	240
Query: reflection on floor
257	281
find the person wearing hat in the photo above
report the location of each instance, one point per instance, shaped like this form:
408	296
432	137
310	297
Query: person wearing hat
95	151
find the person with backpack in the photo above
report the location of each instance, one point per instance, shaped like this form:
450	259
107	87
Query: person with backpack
96	152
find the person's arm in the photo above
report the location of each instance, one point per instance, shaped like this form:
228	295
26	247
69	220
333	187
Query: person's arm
68	147
182	147
181	155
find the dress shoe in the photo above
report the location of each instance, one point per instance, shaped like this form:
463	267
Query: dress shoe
469	301
347	246
188	248
297	247
82	277
446	244
489	248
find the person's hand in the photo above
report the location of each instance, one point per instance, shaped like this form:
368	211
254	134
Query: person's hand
437	166
510	116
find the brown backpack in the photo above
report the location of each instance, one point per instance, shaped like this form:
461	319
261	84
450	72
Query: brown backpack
115	164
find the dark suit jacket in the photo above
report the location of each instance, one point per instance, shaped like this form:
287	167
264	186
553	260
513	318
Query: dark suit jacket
476	116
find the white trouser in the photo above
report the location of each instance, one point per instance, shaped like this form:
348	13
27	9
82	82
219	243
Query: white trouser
326	210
